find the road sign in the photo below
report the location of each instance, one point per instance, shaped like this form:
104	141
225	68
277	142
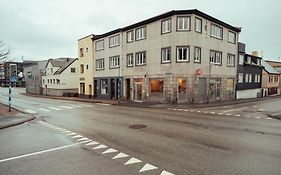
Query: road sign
13	79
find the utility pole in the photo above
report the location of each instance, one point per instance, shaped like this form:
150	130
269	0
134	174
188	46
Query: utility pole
10	89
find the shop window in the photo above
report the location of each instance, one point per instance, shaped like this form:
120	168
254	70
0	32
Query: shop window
182	86
156	85
104	87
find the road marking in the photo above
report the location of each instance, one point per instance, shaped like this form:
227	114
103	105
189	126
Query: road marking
212	113
66	132
77	136
166	173
70	134
220	113
132	161
248	116
199	111
87	105
66	107
39	152
148	167
180	109
228	114
77	106
100	147
42	109
186	110
92	143
104	104
53	108
30	111
257	117
120	155
110	150
174	109
262	110
235	109
268	118
205	112
237	115
83	139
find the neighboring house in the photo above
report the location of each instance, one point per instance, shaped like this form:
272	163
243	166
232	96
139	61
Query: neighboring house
277	66
33	77
179	56
61	77
249	74
86	65
270	80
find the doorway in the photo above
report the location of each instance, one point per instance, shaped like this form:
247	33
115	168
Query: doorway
128	89
138	91
95	88
112	88
90	91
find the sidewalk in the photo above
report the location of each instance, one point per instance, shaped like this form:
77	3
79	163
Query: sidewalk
13	118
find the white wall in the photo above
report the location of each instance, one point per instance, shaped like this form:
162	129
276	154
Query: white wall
250	93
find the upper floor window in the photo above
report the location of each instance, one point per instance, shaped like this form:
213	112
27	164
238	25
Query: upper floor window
166	55
257	78
130	36
99	45
198	25
182	54
197	54
140	33
72	70
166	26
216	31
114	41
51	70
87	49
241	59
183	23
215	57
231	37
100	64
276	79
258	61
130	60
249	61
230	60
240	78
140	58
81	52
81	68
114	62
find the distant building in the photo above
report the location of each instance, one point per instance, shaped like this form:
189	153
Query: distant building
33	77
277	66
61	77
249	74
270	80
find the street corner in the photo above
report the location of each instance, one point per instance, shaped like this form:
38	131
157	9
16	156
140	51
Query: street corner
276	115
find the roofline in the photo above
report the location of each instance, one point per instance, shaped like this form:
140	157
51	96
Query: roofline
253	55
86	37
66	66
166	15
273	61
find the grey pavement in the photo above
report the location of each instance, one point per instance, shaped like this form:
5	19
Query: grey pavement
14	120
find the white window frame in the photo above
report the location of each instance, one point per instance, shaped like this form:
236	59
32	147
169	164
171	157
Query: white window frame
140	33
230	60
231	37
100	64
249	60
183	23
197	55
99	45
114	41
114	62
198	25
241	59
247	78
216	57
240	77
250	78
130	36
180	54
166	26
166	55
140	58
130	60
216	31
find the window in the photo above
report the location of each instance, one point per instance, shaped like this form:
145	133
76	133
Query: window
250	78
81	52
100	64
114	62
249	60
72	70
81	68
130	60
240	78
48	81
270	79
51	81
166	55
140	58
230	86
258	61
247	78
182	54
215	57
87	66
87	49
231	37
197	54
43	81
257	78
183	23
166	26
104	86
241	59
216	31
140	33
58	81
114	41
276	79
230	60
51	70
99	45
198	25
130	36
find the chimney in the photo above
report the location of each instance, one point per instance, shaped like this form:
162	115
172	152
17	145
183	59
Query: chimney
255	53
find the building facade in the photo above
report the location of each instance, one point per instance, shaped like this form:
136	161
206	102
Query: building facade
61	78
270	80
277	66
86	66
249	74
179	56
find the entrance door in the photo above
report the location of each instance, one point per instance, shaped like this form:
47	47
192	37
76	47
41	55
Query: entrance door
138	91
202	87
82	88
128	89
90	91
95	88
112	82
46	89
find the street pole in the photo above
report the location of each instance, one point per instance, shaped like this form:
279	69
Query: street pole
10	89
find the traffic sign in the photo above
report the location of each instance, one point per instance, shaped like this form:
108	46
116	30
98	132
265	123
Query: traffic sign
13	79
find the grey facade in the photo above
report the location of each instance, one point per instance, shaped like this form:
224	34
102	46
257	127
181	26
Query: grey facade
108	87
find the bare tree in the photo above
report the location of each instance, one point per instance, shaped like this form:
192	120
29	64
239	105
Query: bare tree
4	51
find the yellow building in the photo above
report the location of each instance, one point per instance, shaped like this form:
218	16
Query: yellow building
86	66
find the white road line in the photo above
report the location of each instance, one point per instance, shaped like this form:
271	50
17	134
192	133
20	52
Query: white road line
198	111
53	108
66	107
180	109
42	109
66	132
220	113
77	106
120	155
205	112
92	143
228	114
70	134
166	173
212	113
268	118
148	167
77	136
39	152
87	105
174	109
83	139
235	109
186	110
237	115
30	111
104	104
257	117
248	116
132	160
100	147
110	150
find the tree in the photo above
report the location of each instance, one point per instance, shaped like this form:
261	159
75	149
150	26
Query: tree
4	51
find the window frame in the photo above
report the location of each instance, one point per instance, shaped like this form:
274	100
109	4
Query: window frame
99	41
71	70
132	59
195	25
115	45
214	35
215	59
114	59
227	60
240	75
228	38
144	33
169	20
136	57
132	36
188	54
169	53
195	48
188	24
239	60
98	63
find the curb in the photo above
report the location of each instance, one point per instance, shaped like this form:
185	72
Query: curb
17	122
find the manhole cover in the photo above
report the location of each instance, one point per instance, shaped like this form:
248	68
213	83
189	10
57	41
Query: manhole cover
137	126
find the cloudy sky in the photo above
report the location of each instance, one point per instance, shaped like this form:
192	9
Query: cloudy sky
42	29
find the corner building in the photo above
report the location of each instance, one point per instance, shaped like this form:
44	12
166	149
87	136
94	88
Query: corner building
177	57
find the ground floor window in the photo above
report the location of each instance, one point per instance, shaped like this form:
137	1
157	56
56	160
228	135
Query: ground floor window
104	86
230	86
182	86
215	87
156	85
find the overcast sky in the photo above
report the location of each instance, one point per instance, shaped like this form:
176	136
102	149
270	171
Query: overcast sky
42	29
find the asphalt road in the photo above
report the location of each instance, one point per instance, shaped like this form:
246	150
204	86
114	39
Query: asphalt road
233	139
